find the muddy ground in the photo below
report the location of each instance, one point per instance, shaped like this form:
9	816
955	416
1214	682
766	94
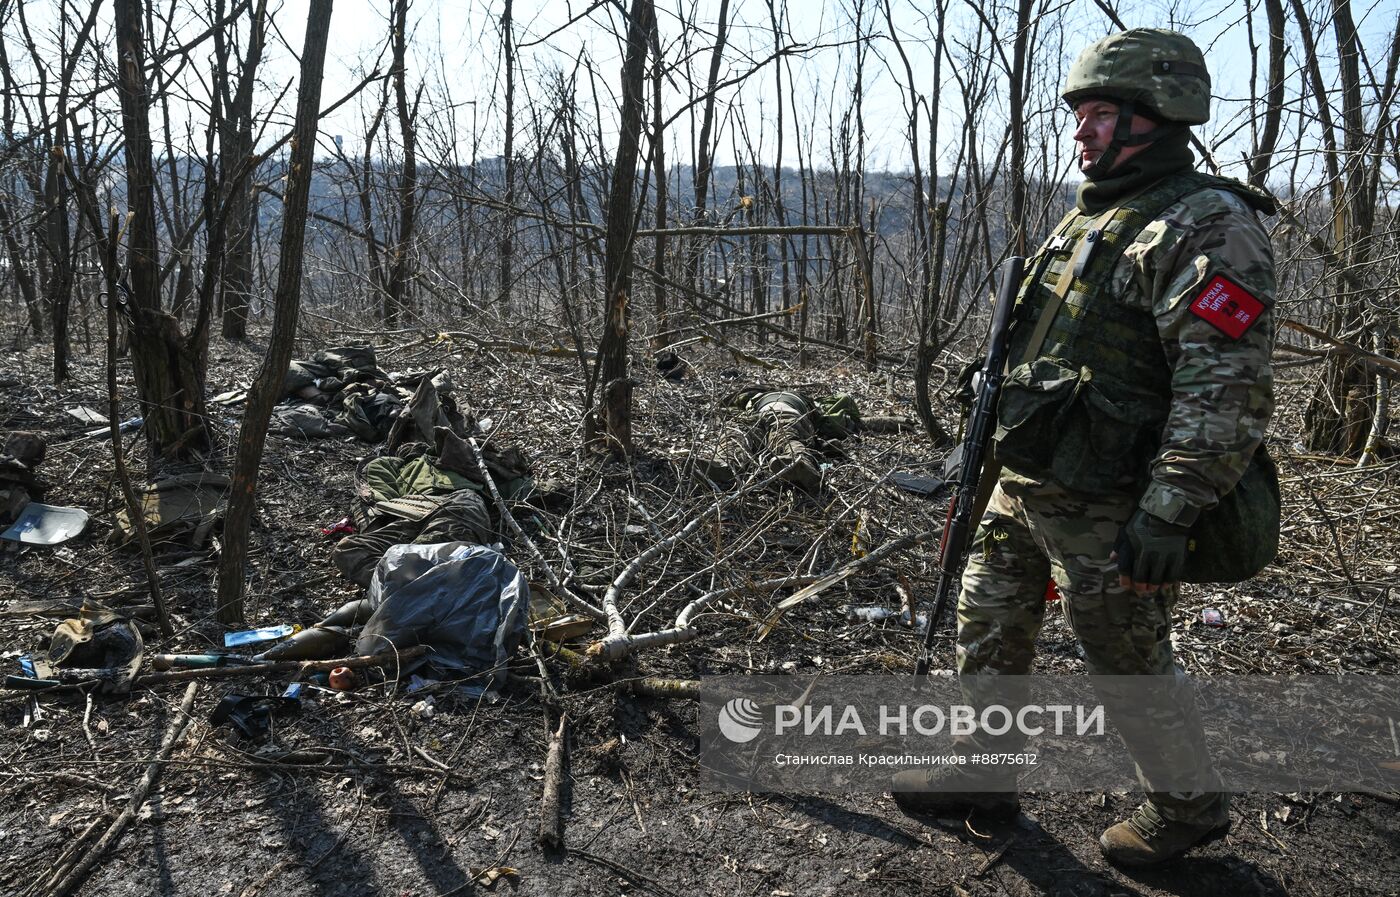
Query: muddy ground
364	795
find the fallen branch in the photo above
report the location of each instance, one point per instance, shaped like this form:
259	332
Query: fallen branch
618	643
653	687
842	574
551	817
1378	363
80	870
682	631
554	581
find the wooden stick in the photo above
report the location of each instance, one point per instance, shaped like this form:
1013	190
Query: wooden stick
654	687
177	727
551	820
384	658
1379	363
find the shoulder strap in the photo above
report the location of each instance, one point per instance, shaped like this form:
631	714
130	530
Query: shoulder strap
1057	297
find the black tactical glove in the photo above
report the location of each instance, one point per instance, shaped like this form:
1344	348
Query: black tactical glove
1151	552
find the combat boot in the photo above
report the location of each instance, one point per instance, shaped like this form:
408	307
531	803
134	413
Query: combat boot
952	790
1147	838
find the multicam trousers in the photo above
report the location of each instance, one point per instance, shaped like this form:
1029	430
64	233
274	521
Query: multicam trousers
1031	532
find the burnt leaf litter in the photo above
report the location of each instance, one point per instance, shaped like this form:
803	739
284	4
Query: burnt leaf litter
373	791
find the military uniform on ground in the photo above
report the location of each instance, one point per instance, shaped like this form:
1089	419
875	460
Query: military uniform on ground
780	431
1135	405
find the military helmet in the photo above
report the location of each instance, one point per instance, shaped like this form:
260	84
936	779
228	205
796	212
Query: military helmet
1162	72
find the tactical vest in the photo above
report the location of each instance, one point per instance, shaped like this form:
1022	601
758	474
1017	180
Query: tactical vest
1087	406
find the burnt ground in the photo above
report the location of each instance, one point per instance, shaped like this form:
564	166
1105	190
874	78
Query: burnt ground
364	795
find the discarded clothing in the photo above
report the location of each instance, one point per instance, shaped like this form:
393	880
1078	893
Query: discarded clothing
467	602
329	370
459	516
304	421
393	477
184	508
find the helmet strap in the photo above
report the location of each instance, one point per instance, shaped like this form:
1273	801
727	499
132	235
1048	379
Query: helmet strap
1123	136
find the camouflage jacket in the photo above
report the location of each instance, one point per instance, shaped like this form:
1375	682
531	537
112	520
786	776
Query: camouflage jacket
1204	270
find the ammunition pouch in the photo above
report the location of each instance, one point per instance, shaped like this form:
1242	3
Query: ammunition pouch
1056	421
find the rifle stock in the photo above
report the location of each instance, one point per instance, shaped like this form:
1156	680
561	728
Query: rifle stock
963	507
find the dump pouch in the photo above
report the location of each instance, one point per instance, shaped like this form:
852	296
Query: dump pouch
1237	538
1056	421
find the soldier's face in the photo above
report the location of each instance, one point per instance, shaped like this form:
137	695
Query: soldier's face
1095	122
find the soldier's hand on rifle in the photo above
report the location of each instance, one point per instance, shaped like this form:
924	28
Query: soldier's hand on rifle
1150	552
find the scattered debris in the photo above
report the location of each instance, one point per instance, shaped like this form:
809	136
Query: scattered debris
87	415
184	508
253	636
875	614
916	483
252	715
342	527
1213	618
343	679
40	524
19	484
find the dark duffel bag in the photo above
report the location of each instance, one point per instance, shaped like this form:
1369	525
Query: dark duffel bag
1238	537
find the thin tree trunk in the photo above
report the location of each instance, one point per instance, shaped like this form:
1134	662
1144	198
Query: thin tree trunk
267	387
616	397
400	264
236	143
1262	159
658	162
506	250
168	370
704	153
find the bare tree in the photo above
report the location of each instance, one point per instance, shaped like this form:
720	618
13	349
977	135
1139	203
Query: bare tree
613	420
168	364
267	387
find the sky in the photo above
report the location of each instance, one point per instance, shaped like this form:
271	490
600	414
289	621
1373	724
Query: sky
455	52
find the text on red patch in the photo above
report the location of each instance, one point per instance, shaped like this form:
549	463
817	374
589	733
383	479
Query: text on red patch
1227	306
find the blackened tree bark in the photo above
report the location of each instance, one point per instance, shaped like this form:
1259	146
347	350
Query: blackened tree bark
401	259
235	158
168	367
613	419
267	387
506	247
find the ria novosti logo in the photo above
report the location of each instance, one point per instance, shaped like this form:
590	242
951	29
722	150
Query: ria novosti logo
740	720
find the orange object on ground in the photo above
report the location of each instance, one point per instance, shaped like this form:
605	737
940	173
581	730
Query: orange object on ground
343	679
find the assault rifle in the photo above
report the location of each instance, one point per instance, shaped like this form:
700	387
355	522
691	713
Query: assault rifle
960	523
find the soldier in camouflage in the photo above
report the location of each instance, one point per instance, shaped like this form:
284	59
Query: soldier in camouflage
1139	389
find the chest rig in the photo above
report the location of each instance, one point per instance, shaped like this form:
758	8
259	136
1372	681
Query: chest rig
1089	390
1088	325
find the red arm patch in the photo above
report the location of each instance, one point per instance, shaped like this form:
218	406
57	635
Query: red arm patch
1227	306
